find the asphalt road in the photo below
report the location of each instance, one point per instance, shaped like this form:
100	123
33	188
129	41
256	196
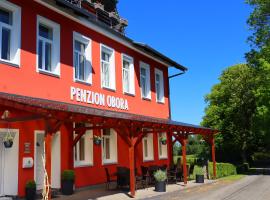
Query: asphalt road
253	187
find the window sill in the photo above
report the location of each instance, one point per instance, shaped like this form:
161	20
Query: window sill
6	62
148	160
83	165
109	89
110	163
161	102
146	99
129	94
163	158
82	82
48	73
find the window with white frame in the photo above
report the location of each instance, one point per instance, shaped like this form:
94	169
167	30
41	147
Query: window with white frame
159	83
162	148
48	46
82	58
128	74
109	146
145	80
107	67
83	150
148	148
10	32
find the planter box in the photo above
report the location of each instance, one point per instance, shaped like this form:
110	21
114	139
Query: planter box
67	187
160	186
199	178
30	193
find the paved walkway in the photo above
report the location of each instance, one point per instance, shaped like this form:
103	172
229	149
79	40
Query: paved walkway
101	194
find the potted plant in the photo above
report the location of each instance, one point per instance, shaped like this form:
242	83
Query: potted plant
67	178
199	175
163	140
30	190
97	140
8	140
160	184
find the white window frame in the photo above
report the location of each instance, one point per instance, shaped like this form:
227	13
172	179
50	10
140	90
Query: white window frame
15	36
111	63
163	149
87	54
55	46
147	81
113	148
88	150
150	148
131	80
161	83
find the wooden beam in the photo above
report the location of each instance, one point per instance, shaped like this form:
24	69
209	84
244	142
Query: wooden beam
21	119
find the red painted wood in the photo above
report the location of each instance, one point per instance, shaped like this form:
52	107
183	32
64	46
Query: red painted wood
132	170
214	157
184	152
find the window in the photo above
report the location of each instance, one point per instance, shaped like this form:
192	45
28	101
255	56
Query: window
159	85
109	146
107	68
82	58
145	80
162	148
10	32
148	151
83	150
48	46
128	75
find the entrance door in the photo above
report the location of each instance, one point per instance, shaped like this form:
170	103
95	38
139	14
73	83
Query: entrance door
56	160
39	169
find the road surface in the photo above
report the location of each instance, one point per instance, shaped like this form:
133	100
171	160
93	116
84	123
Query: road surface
253	187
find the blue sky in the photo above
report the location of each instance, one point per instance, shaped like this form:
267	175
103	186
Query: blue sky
205	36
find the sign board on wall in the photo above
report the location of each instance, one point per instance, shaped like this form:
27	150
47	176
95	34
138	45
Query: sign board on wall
96	98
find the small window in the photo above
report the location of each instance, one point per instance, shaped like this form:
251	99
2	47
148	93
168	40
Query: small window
10	32
107	68
148	151
128	75
145	80
162	148
82	58
83	150
109	146
159	85
48	46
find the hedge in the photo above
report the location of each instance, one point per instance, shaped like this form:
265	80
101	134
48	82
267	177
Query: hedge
223	169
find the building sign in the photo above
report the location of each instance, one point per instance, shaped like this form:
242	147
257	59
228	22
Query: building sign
95	98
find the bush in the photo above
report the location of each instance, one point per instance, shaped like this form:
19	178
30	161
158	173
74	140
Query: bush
30	184
261	158
160	175
68	175
243	168
223	169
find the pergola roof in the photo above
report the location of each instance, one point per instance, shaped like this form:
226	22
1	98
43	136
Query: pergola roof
38	106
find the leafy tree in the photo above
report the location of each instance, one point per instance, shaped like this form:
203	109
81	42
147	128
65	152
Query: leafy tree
231	108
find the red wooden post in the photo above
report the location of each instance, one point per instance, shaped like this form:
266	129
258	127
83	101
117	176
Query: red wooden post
48	158
214	157
132	170
184	152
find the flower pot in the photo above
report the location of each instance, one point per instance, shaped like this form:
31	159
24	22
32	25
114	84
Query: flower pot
8	144
30	193
67	187
97	142
163	142
199	178
160	186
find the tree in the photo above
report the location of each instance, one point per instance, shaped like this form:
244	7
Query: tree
231	108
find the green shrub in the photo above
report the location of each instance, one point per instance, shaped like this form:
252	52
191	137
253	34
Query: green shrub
197	170
243	168
223	169
160	175
31	184
68	175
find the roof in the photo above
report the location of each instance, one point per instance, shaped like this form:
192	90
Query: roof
140	46
24	101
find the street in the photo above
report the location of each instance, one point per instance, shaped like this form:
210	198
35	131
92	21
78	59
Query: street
252	187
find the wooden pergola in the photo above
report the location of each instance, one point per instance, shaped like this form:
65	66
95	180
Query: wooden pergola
130	127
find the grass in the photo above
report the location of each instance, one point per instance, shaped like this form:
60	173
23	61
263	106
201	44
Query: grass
233	177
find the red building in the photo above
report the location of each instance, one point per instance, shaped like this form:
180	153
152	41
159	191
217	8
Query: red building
67	74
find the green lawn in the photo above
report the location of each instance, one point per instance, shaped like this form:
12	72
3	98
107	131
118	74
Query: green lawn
233	177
